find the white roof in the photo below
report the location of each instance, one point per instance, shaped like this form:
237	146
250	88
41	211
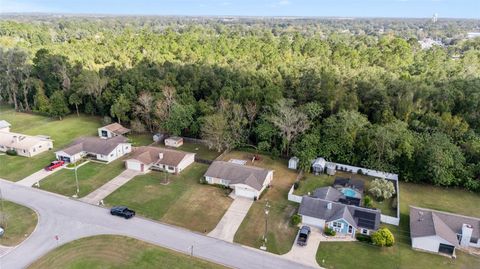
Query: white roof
20	141
4	123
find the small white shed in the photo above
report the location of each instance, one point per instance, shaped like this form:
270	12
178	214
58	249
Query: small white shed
331	169
318	165
174	141
293	163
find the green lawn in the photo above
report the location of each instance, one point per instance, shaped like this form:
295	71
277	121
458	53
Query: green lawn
311	182
202	151
90	177
281	233
138	140
401	255
109	251
18	222
183	202
62	132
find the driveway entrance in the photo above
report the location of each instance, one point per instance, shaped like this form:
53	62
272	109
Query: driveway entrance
228	225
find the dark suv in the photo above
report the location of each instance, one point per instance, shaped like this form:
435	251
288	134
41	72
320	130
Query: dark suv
122	211
303	236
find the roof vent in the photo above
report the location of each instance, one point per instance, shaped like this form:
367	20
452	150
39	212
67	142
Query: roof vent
420	215
160	155
329	206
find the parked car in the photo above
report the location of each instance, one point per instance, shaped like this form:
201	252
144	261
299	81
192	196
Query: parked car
122	211
303	236
53	165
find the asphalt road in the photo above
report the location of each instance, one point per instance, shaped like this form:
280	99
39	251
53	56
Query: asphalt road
67	220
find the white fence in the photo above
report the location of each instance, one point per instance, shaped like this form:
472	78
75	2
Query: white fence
365	171
390	220
292	197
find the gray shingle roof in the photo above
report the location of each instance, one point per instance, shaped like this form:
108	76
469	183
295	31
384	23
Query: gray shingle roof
318	208
95	145
427	222
238	174
328	193
150	155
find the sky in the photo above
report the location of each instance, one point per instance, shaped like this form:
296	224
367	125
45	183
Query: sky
322	8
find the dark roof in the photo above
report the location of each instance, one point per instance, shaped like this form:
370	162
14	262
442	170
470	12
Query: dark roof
151	155
427	222
358	217
328	193
95	145
238	174
348	182
116	128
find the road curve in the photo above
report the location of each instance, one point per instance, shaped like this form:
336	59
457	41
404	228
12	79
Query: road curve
68	220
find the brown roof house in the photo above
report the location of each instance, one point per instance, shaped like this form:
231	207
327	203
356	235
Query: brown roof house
144	159
112	130
442	232
246	181
106	150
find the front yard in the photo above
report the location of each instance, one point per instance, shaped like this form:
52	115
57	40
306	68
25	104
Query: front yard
281	233
109	251
18	222
90	177
63	132
183	202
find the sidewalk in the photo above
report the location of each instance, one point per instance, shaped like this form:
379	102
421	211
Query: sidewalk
37	177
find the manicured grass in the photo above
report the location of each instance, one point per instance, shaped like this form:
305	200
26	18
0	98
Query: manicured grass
109	251
310	182
138	140
18	222
62	132
90	177
281	233
183	202
202	151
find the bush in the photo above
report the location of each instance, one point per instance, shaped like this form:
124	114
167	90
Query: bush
383	238
296	219
382	189
329	231
264	146
367	201
12	152
363	238
106	120
360	171
296	185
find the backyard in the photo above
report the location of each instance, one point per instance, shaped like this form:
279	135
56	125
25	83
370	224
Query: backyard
109	251
281	233
202	151
62	132
18	222
182	202
90	177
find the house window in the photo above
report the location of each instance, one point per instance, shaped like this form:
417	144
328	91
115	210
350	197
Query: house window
337	224
364	231
171	168
350	229
24	151
40	146
104	133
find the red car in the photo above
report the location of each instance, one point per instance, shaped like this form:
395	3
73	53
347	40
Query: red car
54	164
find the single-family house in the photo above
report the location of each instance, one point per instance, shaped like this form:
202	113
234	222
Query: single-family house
442	232
102	149
112	130
246	181
342	218
318	165
144	159
4	126
24	145
293	163
174	141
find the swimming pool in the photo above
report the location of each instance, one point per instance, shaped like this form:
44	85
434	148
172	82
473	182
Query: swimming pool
350	192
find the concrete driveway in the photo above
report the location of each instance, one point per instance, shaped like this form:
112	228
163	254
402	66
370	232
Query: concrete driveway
228	225
37	177
109	187
306	254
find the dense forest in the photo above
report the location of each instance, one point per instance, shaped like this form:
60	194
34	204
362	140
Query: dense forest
359	92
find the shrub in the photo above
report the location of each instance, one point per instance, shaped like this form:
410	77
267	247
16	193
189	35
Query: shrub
296	219
360	171
12	152
383	238
264	146
367	201
382	189
296	185
363	238
106	120
329	231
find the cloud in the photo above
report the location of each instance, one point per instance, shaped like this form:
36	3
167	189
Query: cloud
19	6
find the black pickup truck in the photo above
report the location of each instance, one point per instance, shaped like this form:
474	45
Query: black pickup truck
303	236
122	211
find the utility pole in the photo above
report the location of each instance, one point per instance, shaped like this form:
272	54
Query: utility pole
267	210
3	224
76	181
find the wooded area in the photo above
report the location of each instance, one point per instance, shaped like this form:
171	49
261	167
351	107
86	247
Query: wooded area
340	89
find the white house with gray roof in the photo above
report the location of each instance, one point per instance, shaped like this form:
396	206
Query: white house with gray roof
246	181
442	232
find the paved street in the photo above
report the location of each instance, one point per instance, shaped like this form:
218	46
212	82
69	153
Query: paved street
109	187
231	220
70	219
37	177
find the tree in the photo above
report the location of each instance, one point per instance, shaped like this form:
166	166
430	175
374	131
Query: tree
76	100
214	130
383	238
179	119
306	149
58	106
382	189
120	108
144	110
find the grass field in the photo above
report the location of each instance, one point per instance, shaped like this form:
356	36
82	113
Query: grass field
138	140
183	202
310	182
108	251
281	233
401	255
62	132
18	222
202	151
90	177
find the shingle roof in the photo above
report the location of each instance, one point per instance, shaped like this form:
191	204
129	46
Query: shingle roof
20	141
4	123
249	175
427	222
328	193
95	145
117	128
318	208
151	155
